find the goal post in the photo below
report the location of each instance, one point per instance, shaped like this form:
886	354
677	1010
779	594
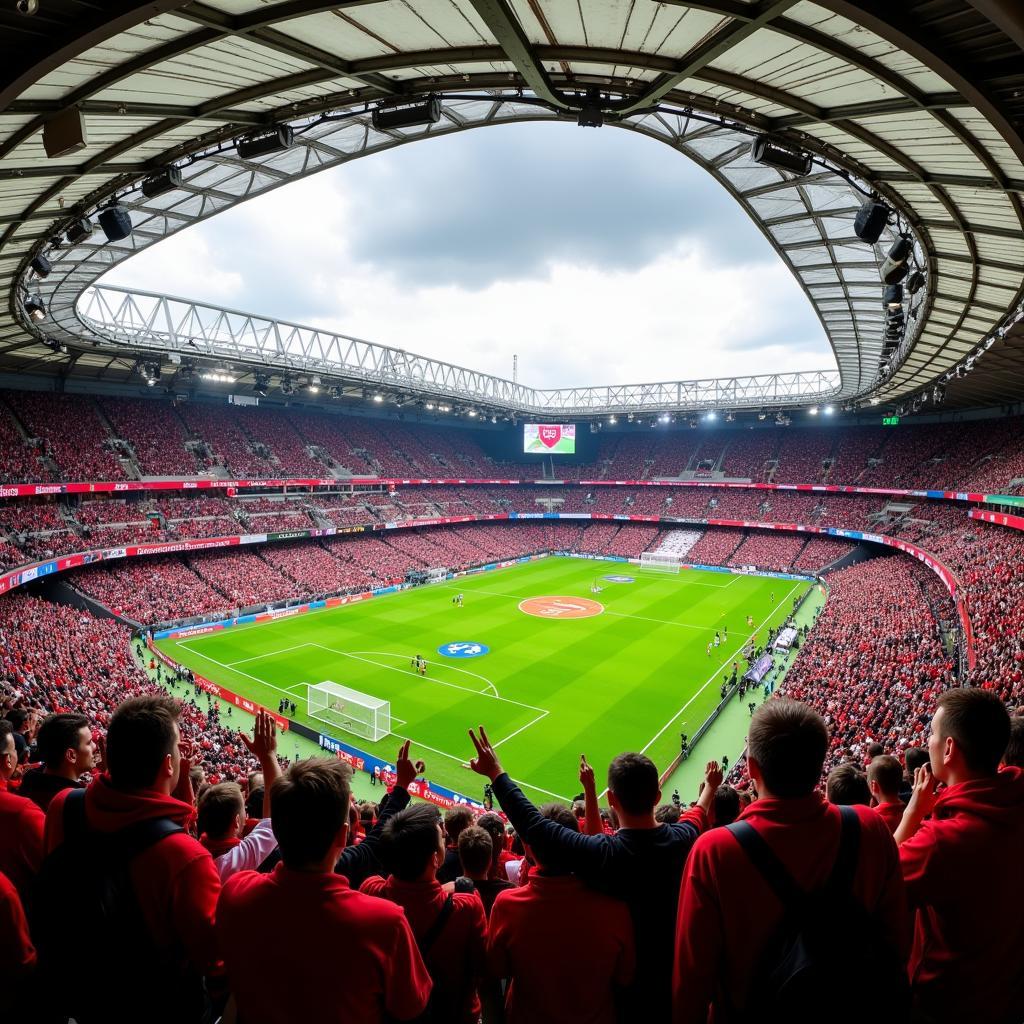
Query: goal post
349	710
658	561
437	575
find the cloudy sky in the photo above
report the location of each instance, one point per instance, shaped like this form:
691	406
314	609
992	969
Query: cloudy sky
597	256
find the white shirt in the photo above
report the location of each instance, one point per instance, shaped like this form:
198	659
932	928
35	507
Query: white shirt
250	853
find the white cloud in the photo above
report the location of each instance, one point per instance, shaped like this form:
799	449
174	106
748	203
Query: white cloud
684	314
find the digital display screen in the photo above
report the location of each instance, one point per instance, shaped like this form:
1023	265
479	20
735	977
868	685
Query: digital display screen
549	438
890	421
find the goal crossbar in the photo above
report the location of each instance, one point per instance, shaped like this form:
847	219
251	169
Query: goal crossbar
349	710
658	561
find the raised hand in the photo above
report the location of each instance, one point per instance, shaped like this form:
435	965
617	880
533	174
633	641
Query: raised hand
406	769
587	779
263	745
923	795
713	775
486	762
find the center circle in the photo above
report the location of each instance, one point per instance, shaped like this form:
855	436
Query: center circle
560	607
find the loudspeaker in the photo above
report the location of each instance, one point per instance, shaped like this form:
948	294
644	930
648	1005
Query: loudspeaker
79	230
166	181
41	265
893	272
870	221
115	222
64	133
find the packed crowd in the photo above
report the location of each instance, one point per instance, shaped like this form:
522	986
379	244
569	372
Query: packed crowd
676	913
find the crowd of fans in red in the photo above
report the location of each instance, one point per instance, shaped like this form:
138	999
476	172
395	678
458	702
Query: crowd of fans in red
78	437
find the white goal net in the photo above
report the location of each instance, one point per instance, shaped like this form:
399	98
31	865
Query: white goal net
349	710
658	561
437	575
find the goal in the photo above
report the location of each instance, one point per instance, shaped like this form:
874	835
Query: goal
349	710
437	575
658	561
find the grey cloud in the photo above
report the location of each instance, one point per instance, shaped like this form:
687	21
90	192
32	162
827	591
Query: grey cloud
503	203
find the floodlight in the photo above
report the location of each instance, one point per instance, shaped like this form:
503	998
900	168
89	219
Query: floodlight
870	221
407	115
471	412
612	420
79	230
813	411
938	394
275	141
115	222
829	409
711	415
894	267
776	153
430	406
35	308
166	180
378	398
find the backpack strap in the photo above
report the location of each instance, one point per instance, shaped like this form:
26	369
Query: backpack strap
431	935
129	842
771	868
788	893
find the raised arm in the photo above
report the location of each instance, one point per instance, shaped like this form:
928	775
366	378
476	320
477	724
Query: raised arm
593	826
263	746
558	847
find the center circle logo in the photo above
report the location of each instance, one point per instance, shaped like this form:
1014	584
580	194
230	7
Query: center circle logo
463	649
561	607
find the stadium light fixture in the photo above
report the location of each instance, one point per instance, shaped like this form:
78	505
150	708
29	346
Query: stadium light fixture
711	415
314	389
471	412
730	417
870	221
275	141
612	420
444	408
776	153
829	410
35	308
378	398
813	411
894	267
915	282
166	180
429	407
407	115
217	377
938	394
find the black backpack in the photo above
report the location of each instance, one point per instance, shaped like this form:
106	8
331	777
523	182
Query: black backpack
115	972
826	944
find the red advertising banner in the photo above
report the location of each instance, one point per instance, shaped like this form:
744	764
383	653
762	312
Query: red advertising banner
998	518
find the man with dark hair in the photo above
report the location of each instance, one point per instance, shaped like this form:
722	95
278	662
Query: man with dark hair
21	823
846	785
451	930
725	808
552	928
729	913
962	866
455	820
913	758
476	851
173	881
360	949
638	864
884	777
494	825
1013	756
65	746
24	724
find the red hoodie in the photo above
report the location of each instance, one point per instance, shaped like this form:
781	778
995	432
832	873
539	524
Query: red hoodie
176	881
21	840
962	869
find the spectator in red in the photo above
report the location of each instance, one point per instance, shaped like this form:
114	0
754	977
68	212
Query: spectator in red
360	951
451	930
885	774
638	864
173	880
17	954
846	785
962	866
221	810
494	825
21	822
554	926
1013	756
730	915
726	806
455	820
65	746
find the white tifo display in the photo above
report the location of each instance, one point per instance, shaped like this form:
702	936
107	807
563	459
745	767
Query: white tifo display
349	710
658	561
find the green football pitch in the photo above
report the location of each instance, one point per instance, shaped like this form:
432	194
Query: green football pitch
551	686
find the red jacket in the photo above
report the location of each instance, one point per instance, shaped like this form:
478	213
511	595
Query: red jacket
456	958
17	954
550	934
891	814
963	873
21	840
353	957
728	913
175	880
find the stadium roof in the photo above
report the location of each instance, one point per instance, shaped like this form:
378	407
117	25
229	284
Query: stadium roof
921	102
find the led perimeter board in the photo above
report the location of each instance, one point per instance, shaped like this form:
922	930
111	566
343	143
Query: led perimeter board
550	438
